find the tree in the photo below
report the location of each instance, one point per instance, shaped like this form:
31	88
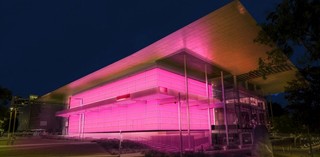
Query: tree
277	110
293	29
5	97
303	94
294	23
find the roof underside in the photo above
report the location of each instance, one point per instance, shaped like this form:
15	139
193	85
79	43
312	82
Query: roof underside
223	38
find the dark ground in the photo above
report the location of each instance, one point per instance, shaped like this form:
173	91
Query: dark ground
37	147
41	147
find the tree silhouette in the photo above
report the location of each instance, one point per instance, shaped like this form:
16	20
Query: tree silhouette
5	97
293	29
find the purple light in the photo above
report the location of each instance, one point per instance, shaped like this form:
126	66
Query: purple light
154	111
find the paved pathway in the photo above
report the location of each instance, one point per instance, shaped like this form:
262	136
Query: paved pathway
36	147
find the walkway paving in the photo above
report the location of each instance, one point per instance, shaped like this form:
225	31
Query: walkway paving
36	147
39	147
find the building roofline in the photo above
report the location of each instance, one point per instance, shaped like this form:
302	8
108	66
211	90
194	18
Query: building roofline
223	37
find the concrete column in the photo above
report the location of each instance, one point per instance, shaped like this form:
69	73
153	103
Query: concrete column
208	97
179	122
187	99
224	108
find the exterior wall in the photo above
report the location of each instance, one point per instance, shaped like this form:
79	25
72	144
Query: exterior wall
145	118
134	115
134	83
138	117
42	116
24	118
139	82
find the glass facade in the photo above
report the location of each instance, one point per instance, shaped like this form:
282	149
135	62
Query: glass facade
244	110
179	94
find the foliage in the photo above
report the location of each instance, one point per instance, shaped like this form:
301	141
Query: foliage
303	95
277	110
293	29
294	23
5	97
285	124
155	153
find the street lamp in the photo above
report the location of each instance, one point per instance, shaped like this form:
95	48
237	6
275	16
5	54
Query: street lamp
14	121
9	124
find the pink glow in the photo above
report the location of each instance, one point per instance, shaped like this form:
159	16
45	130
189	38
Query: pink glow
138	117
144	113
163	90
139	82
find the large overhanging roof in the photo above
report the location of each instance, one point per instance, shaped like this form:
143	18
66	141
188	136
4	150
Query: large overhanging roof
223	37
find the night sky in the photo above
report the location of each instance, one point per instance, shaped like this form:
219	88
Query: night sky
47	44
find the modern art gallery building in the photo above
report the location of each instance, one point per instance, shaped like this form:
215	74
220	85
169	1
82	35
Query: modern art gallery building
196	87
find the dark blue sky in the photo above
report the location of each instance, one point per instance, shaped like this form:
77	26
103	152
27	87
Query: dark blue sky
47	44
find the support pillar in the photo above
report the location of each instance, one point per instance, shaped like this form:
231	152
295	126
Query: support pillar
209	113
224	109
179	122
236	103
187	99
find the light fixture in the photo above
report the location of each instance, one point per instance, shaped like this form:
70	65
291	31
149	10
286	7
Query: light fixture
123	97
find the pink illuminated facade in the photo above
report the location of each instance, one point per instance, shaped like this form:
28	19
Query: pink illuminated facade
194	89
178	99
149	104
